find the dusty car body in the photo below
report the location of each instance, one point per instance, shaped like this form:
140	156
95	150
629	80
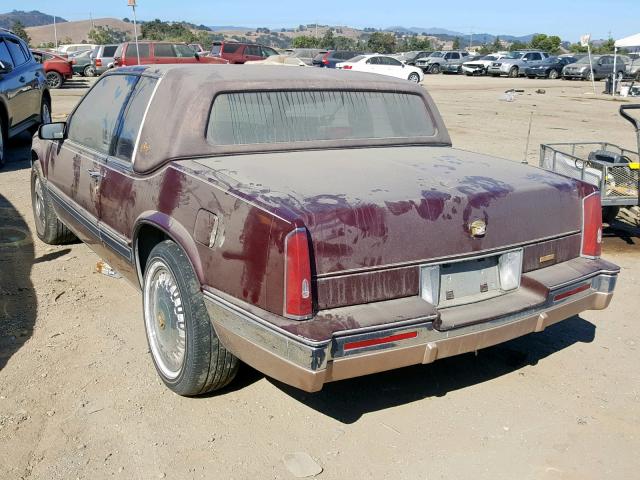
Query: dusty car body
319	256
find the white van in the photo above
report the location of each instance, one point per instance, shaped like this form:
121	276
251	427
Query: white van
75	47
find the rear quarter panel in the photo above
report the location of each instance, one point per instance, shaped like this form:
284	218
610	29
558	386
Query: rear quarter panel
170	199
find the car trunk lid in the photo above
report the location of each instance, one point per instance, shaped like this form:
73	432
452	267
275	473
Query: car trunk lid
379	208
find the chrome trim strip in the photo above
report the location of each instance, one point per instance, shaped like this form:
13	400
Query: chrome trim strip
144	118
445	259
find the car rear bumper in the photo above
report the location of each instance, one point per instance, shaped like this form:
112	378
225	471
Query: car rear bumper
547	296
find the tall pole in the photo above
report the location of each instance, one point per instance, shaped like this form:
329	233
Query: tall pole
55	32
593	79
135	29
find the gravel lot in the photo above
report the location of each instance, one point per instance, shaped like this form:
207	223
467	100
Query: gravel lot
79	396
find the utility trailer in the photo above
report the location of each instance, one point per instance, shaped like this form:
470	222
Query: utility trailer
613	169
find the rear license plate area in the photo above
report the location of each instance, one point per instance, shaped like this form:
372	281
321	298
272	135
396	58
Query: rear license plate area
468	281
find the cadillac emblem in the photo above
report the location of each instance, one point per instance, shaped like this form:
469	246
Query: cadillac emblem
478	228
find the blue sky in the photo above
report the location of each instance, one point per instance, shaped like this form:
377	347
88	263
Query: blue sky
567	18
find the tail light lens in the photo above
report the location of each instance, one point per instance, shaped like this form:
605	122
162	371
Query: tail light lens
347	67
98	62
298	298
325	59
591	226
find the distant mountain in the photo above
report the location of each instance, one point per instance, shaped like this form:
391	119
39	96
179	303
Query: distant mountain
77	31
444	34
221	28
28	19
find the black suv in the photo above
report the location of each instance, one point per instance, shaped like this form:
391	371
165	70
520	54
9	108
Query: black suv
25	102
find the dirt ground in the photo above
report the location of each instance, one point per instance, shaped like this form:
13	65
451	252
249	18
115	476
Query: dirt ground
79	396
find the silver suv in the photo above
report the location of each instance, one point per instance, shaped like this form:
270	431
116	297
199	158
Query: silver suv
435	62
515	63
102	58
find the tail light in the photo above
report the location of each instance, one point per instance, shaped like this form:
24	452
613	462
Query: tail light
98	62
347	67
325	59
591	226
298	300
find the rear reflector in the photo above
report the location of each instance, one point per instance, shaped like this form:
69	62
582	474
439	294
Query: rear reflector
573	291
591	226
298	299
379	341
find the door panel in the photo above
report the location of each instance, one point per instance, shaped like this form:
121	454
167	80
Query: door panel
76	191
13	88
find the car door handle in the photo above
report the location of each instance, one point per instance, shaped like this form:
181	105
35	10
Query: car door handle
22	79
95	174
37	74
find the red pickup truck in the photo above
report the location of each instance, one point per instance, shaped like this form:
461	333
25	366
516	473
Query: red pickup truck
159	53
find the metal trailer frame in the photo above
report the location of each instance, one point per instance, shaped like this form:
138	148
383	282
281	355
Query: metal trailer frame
619	183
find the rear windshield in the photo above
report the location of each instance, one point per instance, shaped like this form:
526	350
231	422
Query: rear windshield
283	117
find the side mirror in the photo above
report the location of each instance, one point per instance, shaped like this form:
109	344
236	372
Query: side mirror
197	55
53	131
5	67
403	65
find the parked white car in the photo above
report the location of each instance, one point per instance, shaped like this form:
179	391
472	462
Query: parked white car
480	66
382	65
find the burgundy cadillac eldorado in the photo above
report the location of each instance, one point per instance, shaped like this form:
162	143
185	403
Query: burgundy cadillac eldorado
314	224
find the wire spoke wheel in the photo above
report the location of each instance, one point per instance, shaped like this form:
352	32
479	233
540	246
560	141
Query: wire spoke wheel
165	319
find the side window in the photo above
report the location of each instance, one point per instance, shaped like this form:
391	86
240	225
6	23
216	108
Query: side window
447	56
374	61
163	50
94	122
17	52
109	51
268	52
37	57
252	50
5	56
230	47
394	62
455	56
143	47
133	117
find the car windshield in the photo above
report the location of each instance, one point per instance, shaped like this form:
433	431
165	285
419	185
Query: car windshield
357	59
514	55
489	57
550	60
437	54
410	55
251	118
215	50
585	60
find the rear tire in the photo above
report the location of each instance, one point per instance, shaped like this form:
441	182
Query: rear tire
89	71
54	80
48	228
185	349
45	115
609	214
